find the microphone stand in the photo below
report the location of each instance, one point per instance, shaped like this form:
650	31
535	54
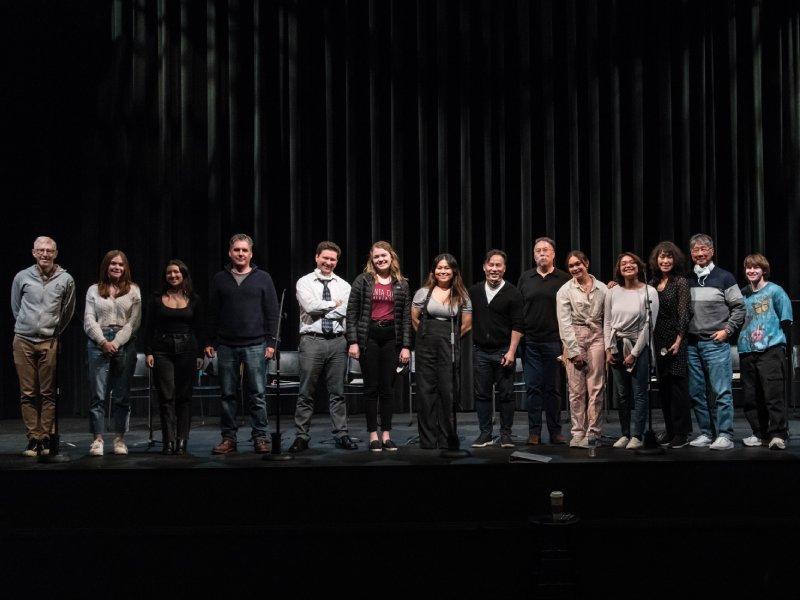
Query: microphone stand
55	456
276	453
453	447
651	446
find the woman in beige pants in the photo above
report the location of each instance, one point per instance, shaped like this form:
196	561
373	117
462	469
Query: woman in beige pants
579	305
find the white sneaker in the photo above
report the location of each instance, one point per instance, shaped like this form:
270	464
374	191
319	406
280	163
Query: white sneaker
701	441
584	443
722	443
634	443
777	443
752	441
622	442
576	441
96	449
119	446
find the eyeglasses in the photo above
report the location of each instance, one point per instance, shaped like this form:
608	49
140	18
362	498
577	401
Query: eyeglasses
44	251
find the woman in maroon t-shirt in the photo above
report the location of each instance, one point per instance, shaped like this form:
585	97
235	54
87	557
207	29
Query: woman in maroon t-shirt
379	335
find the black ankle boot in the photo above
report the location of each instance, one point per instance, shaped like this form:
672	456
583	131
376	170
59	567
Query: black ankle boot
169	448
180	449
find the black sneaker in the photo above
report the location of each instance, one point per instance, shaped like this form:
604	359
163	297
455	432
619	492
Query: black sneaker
679	441
375	446
483	440
390	446
32	449
298	445
663	439
506	441
345	443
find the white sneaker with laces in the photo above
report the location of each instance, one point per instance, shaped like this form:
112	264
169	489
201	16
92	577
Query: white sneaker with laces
777	443
701	441
752	441
96	449
634	443
722	443
622	442
119	446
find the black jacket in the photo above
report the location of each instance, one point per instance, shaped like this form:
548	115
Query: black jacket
359	311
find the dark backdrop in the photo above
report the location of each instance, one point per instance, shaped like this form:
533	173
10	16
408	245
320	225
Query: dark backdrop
160	128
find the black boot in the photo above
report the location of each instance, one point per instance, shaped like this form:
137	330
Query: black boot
180	449
169	448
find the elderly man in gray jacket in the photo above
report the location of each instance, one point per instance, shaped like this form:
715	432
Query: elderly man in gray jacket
42	302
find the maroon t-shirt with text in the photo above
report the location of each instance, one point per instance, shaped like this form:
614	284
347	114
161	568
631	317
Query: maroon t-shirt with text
382	303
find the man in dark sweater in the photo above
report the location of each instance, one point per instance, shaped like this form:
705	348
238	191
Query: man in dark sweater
717	312
243	322
496	332
541	367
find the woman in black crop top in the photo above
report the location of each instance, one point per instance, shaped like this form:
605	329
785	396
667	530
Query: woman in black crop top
173	329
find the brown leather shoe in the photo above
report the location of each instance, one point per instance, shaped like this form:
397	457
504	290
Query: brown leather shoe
261	445
558	439
226	446
534	440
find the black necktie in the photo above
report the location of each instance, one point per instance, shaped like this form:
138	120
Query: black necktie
327	324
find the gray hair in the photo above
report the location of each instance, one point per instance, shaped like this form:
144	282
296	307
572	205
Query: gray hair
44	239
240	237
701	239
545	239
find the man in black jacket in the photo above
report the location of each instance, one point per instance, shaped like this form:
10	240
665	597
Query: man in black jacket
243	322
497	328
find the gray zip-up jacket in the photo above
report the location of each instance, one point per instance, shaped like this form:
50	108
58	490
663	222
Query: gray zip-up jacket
42	308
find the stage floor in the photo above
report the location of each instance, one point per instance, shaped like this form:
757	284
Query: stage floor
333	521
322	452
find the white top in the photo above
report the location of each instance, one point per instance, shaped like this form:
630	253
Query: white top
576	307
438	310
625	317
313	308
122	311
492	292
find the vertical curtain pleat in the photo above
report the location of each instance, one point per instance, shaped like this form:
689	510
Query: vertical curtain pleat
441	126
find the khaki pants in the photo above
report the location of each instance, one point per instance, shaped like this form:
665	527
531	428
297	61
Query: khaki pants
586	385
36	369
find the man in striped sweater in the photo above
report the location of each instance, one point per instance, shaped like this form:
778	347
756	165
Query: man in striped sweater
717	312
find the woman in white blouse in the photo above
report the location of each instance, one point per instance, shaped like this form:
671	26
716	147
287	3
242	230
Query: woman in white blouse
627	331
579	306
111	319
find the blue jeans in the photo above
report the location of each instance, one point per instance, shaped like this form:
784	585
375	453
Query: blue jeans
632	387
110	373
541	370
255	377
710	369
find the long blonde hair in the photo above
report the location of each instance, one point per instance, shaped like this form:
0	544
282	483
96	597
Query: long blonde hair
394	268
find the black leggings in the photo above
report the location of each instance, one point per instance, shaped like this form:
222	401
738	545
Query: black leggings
379	366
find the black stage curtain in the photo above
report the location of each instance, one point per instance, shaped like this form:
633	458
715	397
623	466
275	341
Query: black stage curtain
161	127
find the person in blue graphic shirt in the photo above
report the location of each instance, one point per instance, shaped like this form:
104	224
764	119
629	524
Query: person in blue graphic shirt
762	352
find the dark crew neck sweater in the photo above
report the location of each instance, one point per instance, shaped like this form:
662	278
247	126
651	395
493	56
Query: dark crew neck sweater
493	322
539	309
242	314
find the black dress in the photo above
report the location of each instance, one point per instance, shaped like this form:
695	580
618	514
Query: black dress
674	314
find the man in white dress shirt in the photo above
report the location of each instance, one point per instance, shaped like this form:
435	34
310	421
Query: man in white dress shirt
322	296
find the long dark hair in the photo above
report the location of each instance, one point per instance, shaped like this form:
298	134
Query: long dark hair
667	248
186	285
458	293
639	263
104	283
